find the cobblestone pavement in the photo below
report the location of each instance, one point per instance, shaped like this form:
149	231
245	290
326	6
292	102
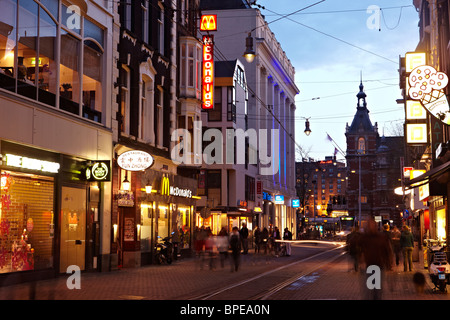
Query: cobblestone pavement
188	278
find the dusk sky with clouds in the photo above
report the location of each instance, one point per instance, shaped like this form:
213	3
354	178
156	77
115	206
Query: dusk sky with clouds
330	44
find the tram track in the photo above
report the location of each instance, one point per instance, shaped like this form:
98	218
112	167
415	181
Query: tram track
280	280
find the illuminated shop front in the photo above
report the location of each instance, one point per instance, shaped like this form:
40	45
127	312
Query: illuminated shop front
35	186
150	204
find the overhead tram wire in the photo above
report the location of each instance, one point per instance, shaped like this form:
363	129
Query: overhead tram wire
338	39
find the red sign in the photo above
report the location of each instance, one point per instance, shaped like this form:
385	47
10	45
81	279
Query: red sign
208	73
407	171
208	22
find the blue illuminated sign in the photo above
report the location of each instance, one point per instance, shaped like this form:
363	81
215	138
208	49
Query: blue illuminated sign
295	203
279	199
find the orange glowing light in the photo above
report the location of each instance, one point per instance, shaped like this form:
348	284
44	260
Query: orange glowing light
208	22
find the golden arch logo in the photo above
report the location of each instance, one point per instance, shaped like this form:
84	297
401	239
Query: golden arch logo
165	186
208	22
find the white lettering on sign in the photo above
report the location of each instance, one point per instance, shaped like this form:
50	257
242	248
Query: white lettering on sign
31	164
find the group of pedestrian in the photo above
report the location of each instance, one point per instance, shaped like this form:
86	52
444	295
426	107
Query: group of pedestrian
207	246
380	248
269	240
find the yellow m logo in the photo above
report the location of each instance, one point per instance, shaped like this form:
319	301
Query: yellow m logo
208	22
165	186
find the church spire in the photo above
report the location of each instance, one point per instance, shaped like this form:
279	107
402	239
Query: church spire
361	97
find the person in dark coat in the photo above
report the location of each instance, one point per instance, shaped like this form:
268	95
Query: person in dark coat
395	237
354	247
265	239
376	251
276	236
235	245
287	235
244	238
407	245
257	235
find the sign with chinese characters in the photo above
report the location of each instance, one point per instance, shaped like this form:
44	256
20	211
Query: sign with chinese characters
135	160
208	73
295	203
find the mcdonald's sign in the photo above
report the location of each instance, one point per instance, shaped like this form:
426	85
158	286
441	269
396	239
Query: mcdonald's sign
208	22
165	186
208	73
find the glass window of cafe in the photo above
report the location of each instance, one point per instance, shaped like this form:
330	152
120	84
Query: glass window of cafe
30	61
26	222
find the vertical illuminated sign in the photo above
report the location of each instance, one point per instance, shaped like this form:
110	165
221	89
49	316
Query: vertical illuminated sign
208	73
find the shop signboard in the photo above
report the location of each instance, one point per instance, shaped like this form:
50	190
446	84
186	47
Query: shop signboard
99	171
135	160
279	199
30	163
295	203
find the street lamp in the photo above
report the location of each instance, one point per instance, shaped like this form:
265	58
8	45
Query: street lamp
307	128
249	53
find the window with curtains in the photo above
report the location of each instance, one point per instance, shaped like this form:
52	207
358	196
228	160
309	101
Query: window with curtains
30	64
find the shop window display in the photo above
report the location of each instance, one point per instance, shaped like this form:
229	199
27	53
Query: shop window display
26	222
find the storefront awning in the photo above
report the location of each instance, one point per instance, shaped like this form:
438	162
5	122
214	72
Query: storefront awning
427	176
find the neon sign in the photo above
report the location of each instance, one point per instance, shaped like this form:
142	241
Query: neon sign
208	22
208	73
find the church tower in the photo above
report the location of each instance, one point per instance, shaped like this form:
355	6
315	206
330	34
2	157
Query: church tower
362	138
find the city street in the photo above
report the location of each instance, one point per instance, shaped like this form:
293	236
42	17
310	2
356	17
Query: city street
313	272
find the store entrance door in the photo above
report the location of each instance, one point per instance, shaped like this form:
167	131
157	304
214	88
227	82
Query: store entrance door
73	228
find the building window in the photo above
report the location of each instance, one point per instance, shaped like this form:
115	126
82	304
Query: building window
215	114
361	146
145	21
30	63
161	31
127	8
124	121
231	106
190	76
159	123
249	188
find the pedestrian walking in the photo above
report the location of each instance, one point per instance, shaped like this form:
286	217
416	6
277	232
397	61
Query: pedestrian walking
222	246
257	234
354	247
276	236
388	236
235	245
287	235
375	250
244	238
395	237
407	245
265	239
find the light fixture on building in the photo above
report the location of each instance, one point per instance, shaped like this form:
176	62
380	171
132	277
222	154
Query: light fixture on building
148	188
249	53
125	183
307	128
